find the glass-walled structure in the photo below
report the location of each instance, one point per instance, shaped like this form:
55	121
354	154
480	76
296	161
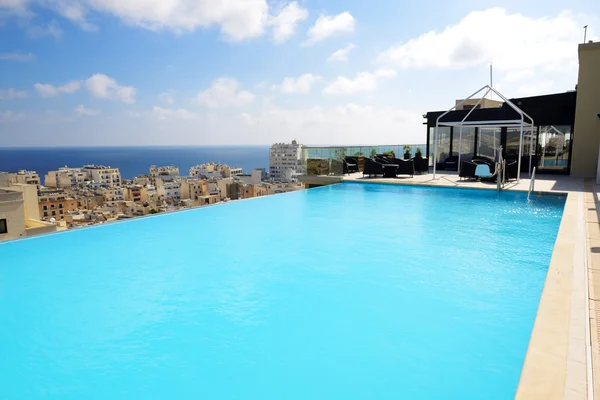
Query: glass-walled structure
549	142
320	160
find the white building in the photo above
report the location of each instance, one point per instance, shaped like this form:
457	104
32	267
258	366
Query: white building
212	170
162	172
25	177
66	177
107	175
168	189
284	160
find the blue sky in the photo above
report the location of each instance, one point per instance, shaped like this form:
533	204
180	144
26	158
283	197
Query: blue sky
152	72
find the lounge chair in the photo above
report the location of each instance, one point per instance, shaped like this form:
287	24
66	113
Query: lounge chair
482	171
372	167
405	167
421	164
350	165
450	163
467	170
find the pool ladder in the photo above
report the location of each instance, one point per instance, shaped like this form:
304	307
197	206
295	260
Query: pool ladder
531	184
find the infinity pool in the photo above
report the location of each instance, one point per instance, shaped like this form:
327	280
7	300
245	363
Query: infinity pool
351	291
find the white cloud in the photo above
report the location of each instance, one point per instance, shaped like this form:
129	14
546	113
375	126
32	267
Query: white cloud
224	93
9	115
284	24
328	25
48	90
341	54
362	82
236	19
535	88
513	42
50	29
17	56
518	75
12	94
82	110
167	97
168	113
301	84
261	85
385	73
345	124
104	87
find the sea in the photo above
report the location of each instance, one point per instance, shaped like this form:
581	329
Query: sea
131	161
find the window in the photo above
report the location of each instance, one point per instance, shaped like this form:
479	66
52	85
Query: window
45	213
3	226
45	207
53	212
60	212
467	144
60	206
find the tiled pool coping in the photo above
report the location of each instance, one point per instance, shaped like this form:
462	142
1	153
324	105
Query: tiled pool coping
558	363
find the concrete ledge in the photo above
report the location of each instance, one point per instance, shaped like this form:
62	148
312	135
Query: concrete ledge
555	366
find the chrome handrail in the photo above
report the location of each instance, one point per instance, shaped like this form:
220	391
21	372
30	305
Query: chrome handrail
531	184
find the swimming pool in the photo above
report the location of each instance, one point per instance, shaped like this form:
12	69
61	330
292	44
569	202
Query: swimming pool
349	291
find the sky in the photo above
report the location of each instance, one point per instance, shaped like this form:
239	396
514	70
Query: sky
237	72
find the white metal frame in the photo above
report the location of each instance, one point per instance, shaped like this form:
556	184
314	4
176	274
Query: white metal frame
492	124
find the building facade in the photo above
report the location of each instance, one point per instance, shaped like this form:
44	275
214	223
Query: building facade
66	177
162	172
587	115
56	204
12	215
26	177
106	175
284	160
135	193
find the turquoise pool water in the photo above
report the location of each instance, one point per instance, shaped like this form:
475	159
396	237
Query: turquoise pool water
352	291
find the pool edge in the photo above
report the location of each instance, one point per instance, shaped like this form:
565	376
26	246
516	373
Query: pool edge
556	362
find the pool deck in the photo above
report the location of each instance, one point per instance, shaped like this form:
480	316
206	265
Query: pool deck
564	349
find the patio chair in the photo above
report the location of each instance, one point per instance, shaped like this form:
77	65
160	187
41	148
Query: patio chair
405	167
421	164
450	163
350	165
467	170
372	167
483	172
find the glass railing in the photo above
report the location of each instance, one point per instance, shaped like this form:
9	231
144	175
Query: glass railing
316	160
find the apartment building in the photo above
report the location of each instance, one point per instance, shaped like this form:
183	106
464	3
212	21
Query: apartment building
284	160
25	177
168	189
106	175
12	215
166	171
135	193
212	170
112	195
19	214
196	188
56	204
66	177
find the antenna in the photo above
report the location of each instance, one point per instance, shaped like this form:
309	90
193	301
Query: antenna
584	33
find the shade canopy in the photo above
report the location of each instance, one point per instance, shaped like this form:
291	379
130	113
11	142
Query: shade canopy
521	121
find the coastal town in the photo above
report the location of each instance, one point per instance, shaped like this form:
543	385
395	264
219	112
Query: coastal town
74	197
